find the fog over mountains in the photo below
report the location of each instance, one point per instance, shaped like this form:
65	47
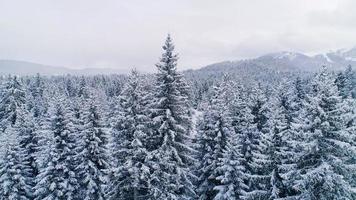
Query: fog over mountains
281	61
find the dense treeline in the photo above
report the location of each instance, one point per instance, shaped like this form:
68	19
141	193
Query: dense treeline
138	137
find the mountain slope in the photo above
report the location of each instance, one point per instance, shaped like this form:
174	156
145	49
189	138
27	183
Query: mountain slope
289	62
28	68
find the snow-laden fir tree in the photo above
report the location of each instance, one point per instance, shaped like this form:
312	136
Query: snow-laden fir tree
69	87
35	99
288	114
170	157
247	135
259	108
13	98
231	172
83	88
295	98
92	158
28	139
212	136
345	82
278	150
14	174
57	180
131	173
260	140
327	144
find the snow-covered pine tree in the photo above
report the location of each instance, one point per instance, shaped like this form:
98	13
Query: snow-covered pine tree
327	144
14	175
28	139
83	88
345	82
131	177
12	99
212	136
292	108
35	98
246	133
69	87
57	180
170	157
295	98
278	152
131	174
36	86
231	172
92	157
286	111
232	186
259	174
259	108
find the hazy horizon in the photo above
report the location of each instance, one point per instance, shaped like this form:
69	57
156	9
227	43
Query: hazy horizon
127	34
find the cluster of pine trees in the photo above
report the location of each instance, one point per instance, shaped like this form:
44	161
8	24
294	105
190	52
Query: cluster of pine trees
296	141
118	137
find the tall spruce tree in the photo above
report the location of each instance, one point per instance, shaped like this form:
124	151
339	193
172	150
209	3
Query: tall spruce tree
131	174
57	180
213	134
28	138
12	99
278	152
231	172
246	133
327	144
259	174
15	176
170	158
345	82
231	176
35	99
92	157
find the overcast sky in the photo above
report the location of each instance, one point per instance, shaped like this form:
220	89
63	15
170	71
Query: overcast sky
130	33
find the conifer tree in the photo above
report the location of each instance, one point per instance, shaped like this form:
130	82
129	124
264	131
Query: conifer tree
246	133
28	138
131	176
170	156
278	151
83	89
12	99
93	161
231	172
69	87
212	139
345	82
57	180
327	145
14	182
259	175
288	115
35	99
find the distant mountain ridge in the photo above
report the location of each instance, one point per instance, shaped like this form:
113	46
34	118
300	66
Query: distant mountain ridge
29	68
280	61
292	61
335	60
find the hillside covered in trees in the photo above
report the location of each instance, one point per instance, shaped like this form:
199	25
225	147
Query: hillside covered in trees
247	133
